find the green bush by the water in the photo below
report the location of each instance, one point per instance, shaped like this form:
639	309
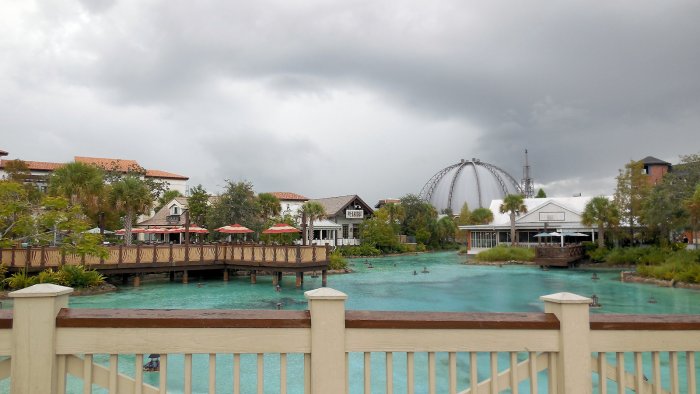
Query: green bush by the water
76	276
337	261
359	250
506	253
681	266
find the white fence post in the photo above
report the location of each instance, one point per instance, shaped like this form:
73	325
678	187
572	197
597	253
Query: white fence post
33	366
574	358
327	307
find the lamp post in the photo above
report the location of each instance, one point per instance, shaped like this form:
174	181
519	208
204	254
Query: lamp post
187	234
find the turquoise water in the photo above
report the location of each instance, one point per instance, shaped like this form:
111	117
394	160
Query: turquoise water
390	285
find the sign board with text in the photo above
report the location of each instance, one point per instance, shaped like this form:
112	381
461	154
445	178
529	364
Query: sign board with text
354	214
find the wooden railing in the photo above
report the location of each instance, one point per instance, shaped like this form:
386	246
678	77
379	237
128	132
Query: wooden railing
330	350
41	257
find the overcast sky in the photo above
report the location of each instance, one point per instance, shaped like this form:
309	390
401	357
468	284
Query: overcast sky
352	97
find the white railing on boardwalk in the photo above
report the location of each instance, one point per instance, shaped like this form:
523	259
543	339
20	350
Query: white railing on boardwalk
559	351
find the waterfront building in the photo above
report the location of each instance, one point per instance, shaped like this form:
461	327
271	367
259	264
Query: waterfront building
560	215
343	217
290	203
40	170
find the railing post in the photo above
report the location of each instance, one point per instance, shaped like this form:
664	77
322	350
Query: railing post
33	367
574	358
327	307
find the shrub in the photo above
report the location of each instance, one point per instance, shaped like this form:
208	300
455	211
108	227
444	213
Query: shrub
20	280
337	261
506	253
420	247
360	250
3	272
50	276
598	254
79	276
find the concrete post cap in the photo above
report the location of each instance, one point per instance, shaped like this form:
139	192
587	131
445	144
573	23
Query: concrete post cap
325	293
41	290
565	298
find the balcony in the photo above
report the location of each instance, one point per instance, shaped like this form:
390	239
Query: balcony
327	349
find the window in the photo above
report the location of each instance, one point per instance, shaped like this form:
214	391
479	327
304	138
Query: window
345	231
174	210
356	231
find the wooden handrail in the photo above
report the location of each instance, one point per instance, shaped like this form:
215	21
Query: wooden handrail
450	320
164	318
644	322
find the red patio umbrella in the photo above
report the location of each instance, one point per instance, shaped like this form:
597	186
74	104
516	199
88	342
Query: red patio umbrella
157	230
133	231
281	228
234	229
194	229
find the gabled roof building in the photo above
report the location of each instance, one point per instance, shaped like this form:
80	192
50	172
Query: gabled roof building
544	215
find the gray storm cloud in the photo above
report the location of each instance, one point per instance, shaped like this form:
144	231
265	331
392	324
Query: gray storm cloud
326	98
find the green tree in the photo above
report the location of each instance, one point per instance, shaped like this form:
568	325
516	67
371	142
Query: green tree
420	218
16	220
396	214
166	197
131	196
378	231
81	184
481	216
662	214
52	221
198	205
237	204
447	229
269	205
312	210
600	211
70	223
692	204
632	189
513	205
541	194
464	215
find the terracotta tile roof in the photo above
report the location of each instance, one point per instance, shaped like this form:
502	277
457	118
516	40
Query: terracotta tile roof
289	196
164	174
109	164
36	165
125	166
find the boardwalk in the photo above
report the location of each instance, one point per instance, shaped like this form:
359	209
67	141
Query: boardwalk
141	259
557	256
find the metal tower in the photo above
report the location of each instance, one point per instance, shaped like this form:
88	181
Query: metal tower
527	184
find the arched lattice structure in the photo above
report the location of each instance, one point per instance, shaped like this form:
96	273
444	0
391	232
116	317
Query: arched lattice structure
472	181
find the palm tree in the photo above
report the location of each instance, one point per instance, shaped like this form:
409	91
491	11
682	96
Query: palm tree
80	183
269	205
514	205
133	197
693	206
480	216
396	212
601	212
313	211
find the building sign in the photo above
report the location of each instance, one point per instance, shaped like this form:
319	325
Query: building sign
354	214
552	216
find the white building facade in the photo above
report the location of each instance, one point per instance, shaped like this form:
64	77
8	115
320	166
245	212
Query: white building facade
560	215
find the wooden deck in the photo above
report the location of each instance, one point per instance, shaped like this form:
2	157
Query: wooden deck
168	258
557	256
